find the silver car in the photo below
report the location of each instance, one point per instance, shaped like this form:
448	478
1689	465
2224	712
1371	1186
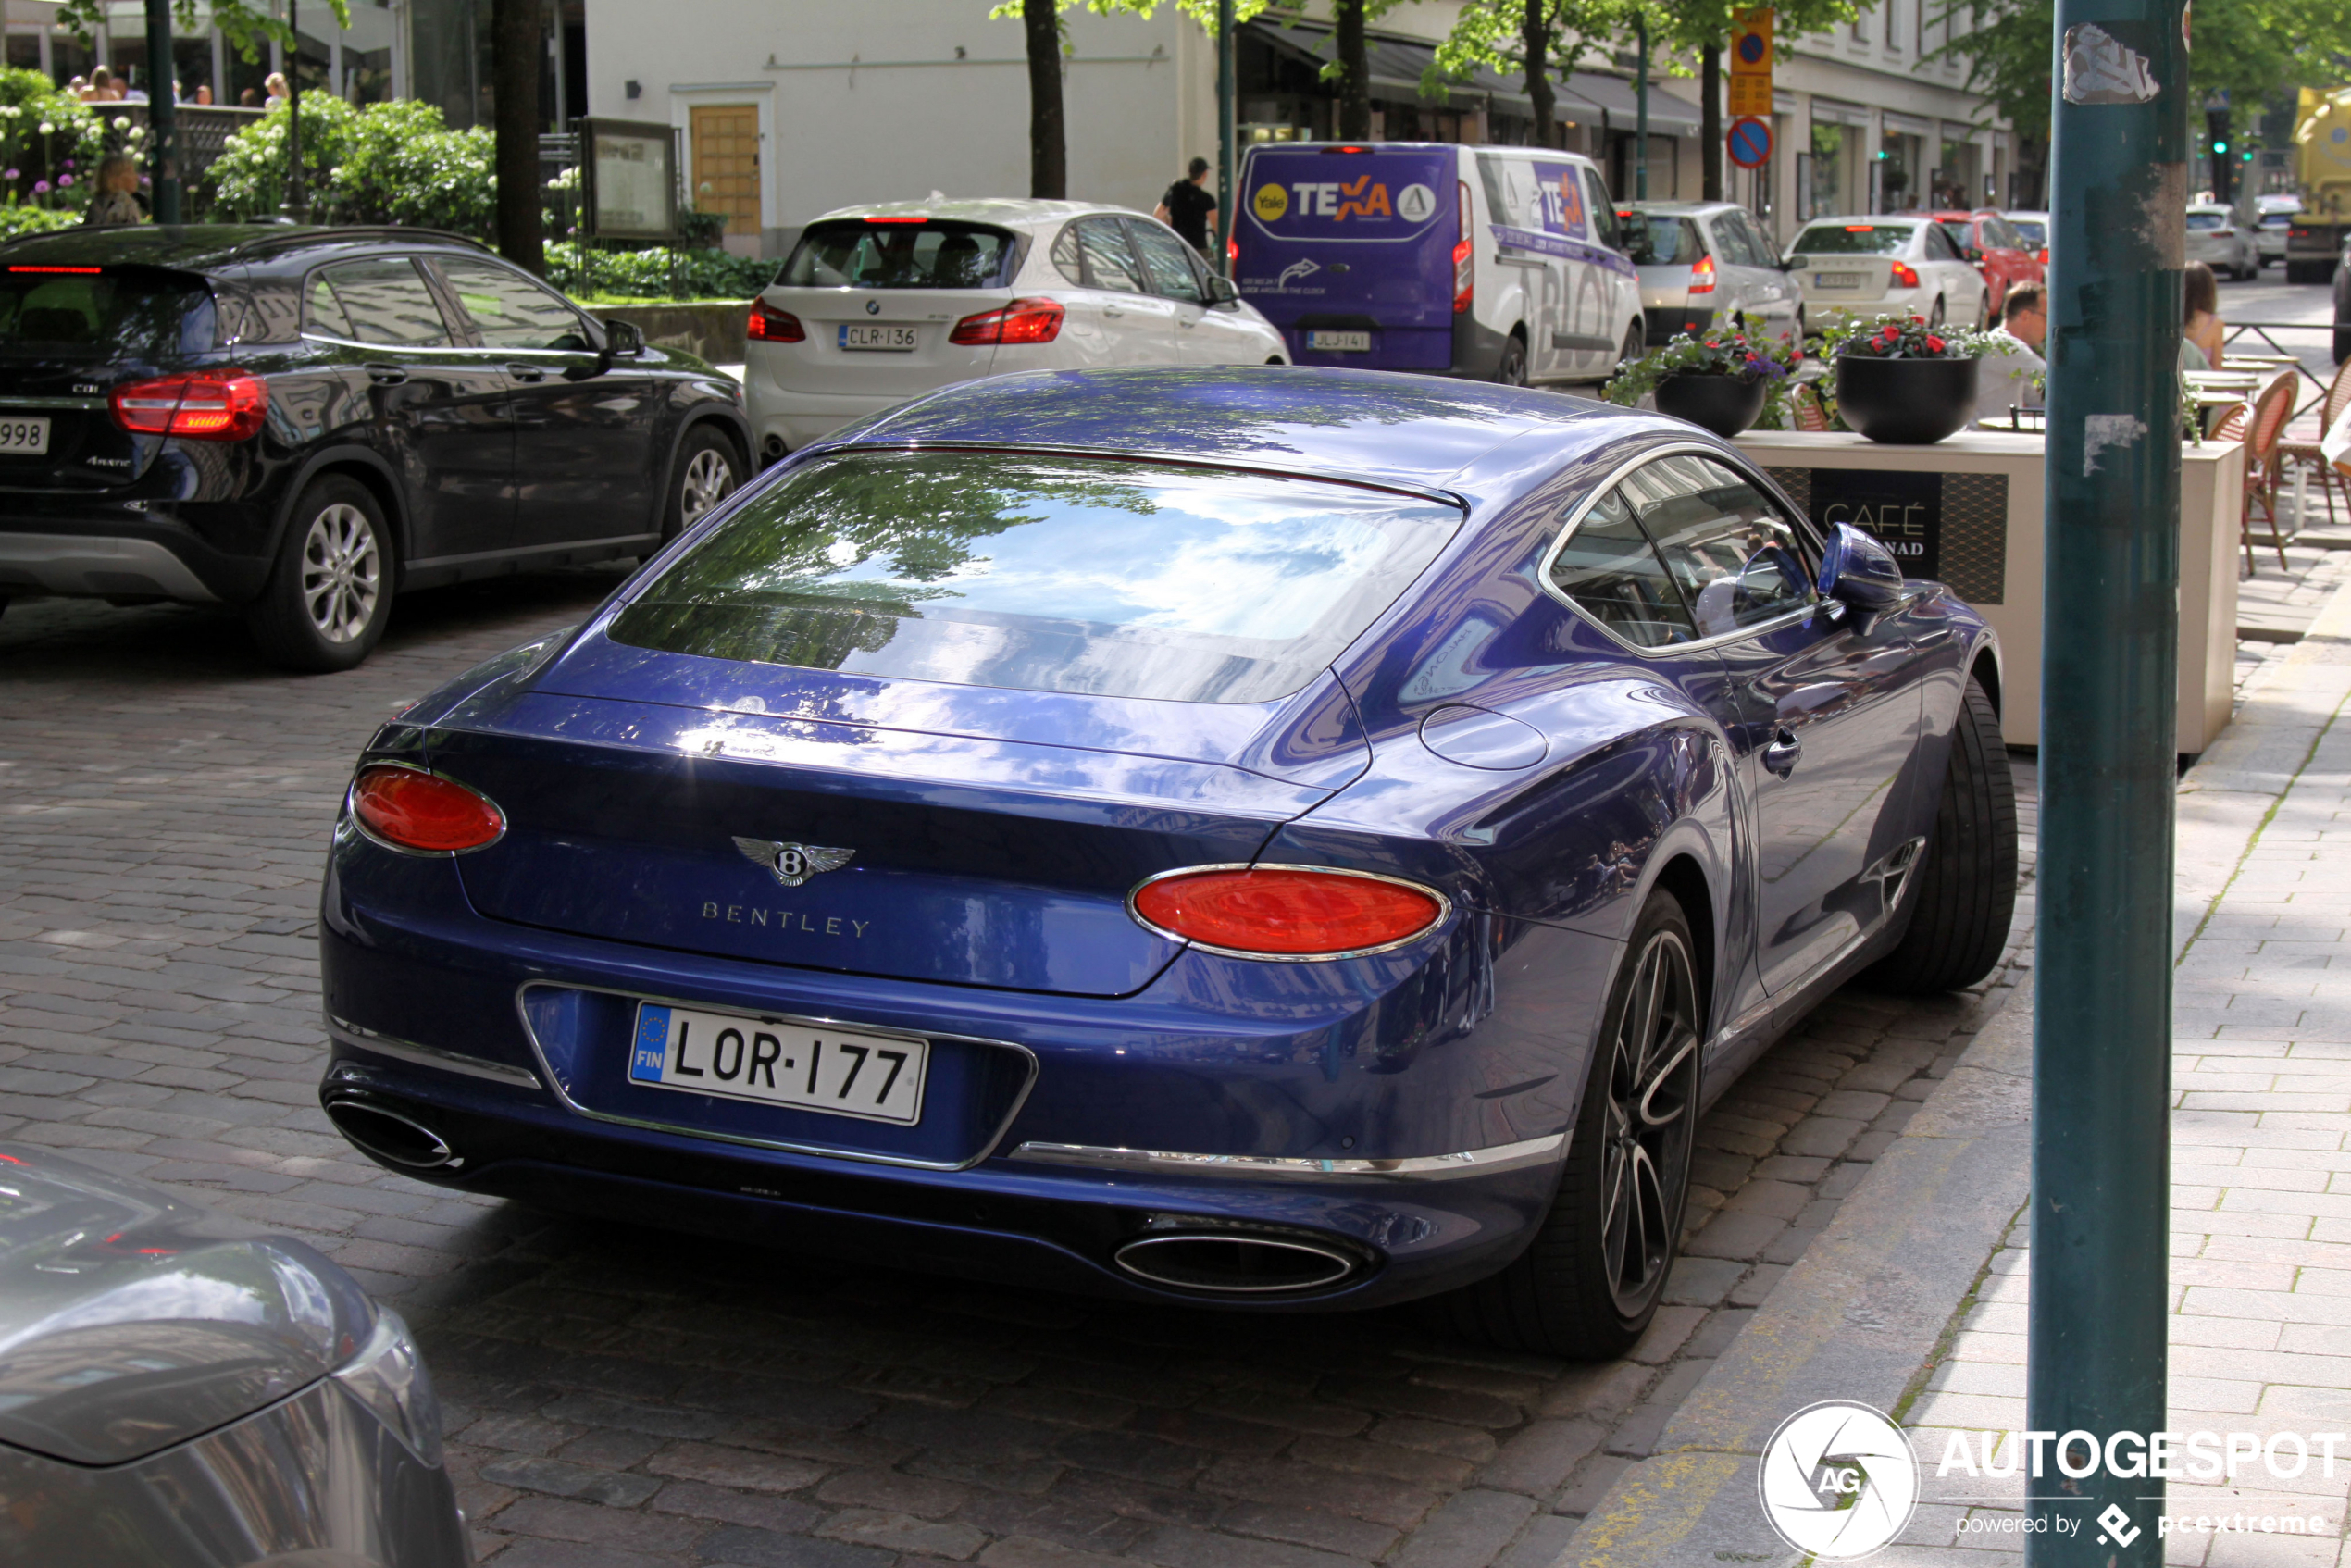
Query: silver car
1704	264
2222	241
178	1390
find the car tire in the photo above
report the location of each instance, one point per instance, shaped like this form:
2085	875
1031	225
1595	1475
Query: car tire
1934	316
1511	370
1635	345
707	470
1625	1182
329	590
1963	893
1983	312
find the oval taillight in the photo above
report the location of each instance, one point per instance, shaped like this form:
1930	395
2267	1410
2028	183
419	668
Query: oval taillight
1287	911
412	809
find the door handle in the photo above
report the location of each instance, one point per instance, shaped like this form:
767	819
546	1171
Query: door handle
526	372
1780	755
1111	310
386	375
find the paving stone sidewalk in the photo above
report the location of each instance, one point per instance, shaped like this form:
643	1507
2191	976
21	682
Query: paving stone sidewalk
619	1398
2260	1263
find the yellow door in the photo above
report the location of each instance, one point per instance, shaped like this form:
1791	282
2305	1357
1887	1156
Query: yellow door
727	164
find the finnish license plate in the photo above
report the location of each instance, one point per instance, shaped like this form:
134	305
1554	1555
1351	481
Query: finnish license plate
887	340
878	1077
1340	343
24	436
1836	280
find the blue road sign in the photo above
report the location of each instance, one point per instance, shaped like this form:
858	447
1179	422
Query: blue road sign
1751	142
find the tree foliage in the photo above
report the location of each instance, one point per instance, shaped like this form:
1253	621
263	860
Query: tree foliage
249	29
394	162
2258	52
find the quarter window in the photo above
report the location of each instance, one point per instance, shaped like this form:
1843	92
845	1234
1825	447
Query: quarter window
510	311
385	300
1735	557
1609	569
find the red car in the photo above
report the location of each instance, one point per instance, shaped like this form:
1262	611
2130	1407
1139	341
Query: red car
1997	251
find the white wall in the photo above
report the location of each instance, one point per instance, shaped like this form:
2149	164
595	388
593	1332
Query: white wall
910	118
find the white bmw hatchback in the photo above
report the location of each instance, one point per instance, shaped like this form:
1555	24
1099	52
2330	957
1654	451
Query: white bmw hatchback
1886	266
879	304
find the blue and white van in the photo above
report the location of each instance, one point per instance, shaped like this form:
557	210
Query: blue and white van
1502	264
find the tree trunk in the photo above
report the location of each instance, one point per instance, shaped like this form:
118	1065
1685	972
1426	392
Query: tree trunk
517	46
1048	148
1354	72
1710	122
1535	32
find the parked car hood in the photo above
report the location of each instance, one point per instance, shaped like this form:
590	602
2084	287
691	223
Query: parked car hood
131	1321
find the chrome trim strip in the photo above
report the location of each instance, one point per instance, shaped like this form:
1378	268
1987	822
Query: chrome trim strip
1674	650
987	1147
1419	1167
361	1038
480	555
1444	912
85	404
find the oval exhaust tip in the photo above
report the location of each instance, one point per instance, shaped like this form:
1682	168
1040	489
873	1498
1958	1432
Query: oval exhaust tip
1234	1264
391	1137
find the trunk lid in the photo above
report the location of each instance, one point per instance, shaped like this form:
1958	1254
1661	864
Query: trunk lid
1329	235
955	856
879	297
1838	279
69	335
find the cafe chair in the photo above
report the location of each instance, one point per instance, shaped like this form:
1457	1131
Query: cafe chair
2263	431
2306	453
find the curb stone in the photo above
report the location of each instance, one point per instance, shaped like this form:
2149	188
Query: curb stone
1867	1310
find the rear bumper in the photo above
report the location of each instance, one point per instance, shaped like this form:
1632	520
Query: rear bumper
96	564
1206	1099
135	549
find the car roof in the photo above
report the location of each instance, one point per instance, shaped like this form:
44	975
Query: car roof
1376	425
1010	212
1874	219
195	246
2210	206
1685	209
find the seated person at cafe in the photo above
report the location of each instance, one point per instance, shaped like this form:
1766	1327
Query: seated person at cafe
2011	354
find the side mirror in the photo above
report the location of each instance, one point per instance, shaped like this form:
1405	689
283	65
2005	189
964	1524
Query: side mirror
1856	570
624	340
1220	290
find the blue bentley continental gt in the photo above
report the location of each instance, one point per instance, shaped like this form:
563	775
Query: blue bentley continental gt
1282	839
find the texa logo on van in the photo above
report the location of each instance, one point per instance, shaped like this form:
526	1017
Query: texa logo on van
1360	198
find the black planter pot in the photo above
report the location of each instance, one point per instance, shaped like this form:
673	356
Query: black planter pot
1725	404
1909	401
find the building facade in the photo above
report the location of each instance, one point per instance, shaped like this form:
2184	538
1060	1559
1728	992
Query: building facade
786	110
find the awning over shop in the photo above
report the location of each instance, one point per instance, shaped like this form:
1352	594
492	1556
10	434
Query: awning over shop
1398	66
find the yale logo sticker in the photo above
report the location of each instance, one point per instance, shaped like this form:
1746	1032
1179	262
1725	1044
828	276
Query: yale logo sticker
1271	202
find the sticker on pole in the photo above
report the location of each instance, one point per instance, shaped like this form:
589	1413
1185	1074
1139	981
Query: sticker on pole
1837	1480
2101	69
1750	142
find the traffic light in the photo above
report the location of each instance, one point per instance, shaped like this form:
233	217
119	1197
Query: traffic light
2216	126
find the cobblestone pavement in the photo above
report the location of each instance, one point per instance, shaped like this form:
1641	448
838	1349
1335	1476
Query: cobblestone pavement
618	1398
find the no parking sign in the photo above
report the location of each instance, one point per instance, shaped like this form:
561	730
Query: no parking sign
1750	142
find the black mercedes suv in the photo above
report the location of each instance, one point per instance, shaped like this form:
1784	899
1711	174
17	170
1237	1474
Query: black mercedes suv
300	422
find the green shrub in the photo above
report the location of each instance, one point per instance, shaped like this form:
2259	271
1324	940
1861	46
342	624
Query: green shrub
52	168
657	273
387	163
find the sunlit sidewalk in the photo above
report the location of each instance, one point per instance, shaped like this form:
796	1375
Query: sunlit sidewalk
2260	1270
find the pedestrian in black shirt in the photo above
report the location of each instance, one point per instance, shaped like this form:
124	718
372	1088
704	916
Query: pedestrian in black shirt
1186	207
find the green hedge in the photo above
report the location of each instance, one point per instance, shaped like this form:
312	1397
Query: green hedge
657	274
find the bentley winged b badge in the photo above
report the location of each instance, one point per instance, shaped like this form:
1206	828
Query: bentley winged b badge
793	863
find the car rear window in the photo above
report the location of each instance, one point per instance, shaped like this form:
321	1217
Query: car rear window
1653	240
110	312
1044	574
923	253
2032	232
2206	219
2276	221
1853	238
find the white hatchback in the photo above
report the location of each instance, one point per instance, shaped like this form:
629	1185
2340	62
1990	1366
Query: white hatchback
881	303
1884	267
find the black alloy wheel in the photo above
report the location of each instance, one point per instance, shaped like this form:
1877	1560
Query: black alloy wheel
707	471
1511	369
1590	1282
329	593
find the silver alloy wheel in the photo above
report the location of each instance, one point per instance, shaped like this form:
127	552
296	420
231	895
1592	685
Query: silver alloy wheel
341	573
1653	1102
709	477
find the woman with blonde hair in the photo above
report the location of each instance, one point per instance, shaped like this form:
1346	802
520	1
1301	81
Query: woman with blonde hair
276	83
118	201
